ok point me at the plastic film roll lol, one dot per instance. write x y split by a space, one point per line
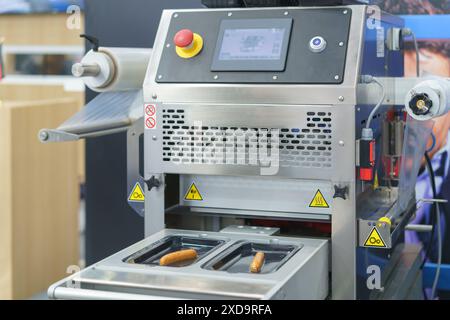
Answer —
113 69
415 140
428 99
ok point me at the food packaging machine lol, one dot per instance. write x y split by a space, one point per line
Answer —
250 120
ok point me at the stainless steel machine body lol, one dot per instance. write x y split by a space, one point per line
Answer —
274 143
302 172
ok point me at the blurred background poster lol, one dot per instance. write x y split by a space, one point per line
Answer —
430 21
36 6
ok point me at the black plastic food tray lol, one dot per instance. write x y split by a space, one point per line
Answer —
237 258
152 254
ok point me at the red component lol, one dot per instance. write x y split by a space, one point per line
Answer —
321 227
366 174
183 38
366 169
390 115
392 167
367 159
372 153
397 168
387 166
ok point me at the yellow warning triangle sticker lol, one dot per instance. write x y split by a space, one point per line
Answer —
193 193
374 239
319 201
136 195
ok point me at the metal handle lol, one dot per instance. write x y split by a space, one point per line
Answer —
419 227
433 200
86 294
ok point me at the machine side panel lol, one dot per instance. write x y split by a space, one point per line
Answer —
381 62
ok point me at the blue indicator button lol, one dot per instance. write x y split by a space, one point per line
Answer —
317 44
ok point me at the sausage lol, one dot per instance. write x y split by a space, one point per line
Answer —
177 256
257 262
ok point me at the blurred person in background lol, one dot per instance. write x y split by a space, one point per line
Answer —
434 57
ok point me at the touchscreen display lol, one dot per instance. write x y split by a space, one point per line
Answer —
252 44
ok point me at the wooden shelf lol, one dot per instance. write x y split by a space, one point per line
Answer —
69 83
40 30
39 198
43 49
39 185
35 88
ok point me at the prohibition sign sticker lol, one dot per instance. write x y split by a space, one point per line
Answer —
150 110
150 113
150 123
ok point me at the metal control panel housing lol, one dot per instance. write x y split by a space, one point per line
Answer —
313 67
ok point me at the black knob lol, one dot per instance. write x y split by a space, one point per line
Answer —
340 192
152 183
420 104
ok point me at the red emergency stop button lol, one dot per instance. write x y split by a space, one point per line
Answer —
187 43
183 38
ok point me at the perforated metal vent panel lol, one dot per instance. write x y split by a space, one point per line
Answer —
191 138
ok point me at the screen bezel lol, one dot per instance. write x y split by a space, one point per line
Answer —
253 65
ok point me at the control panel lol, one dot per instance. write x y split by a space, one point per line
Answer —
298 46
